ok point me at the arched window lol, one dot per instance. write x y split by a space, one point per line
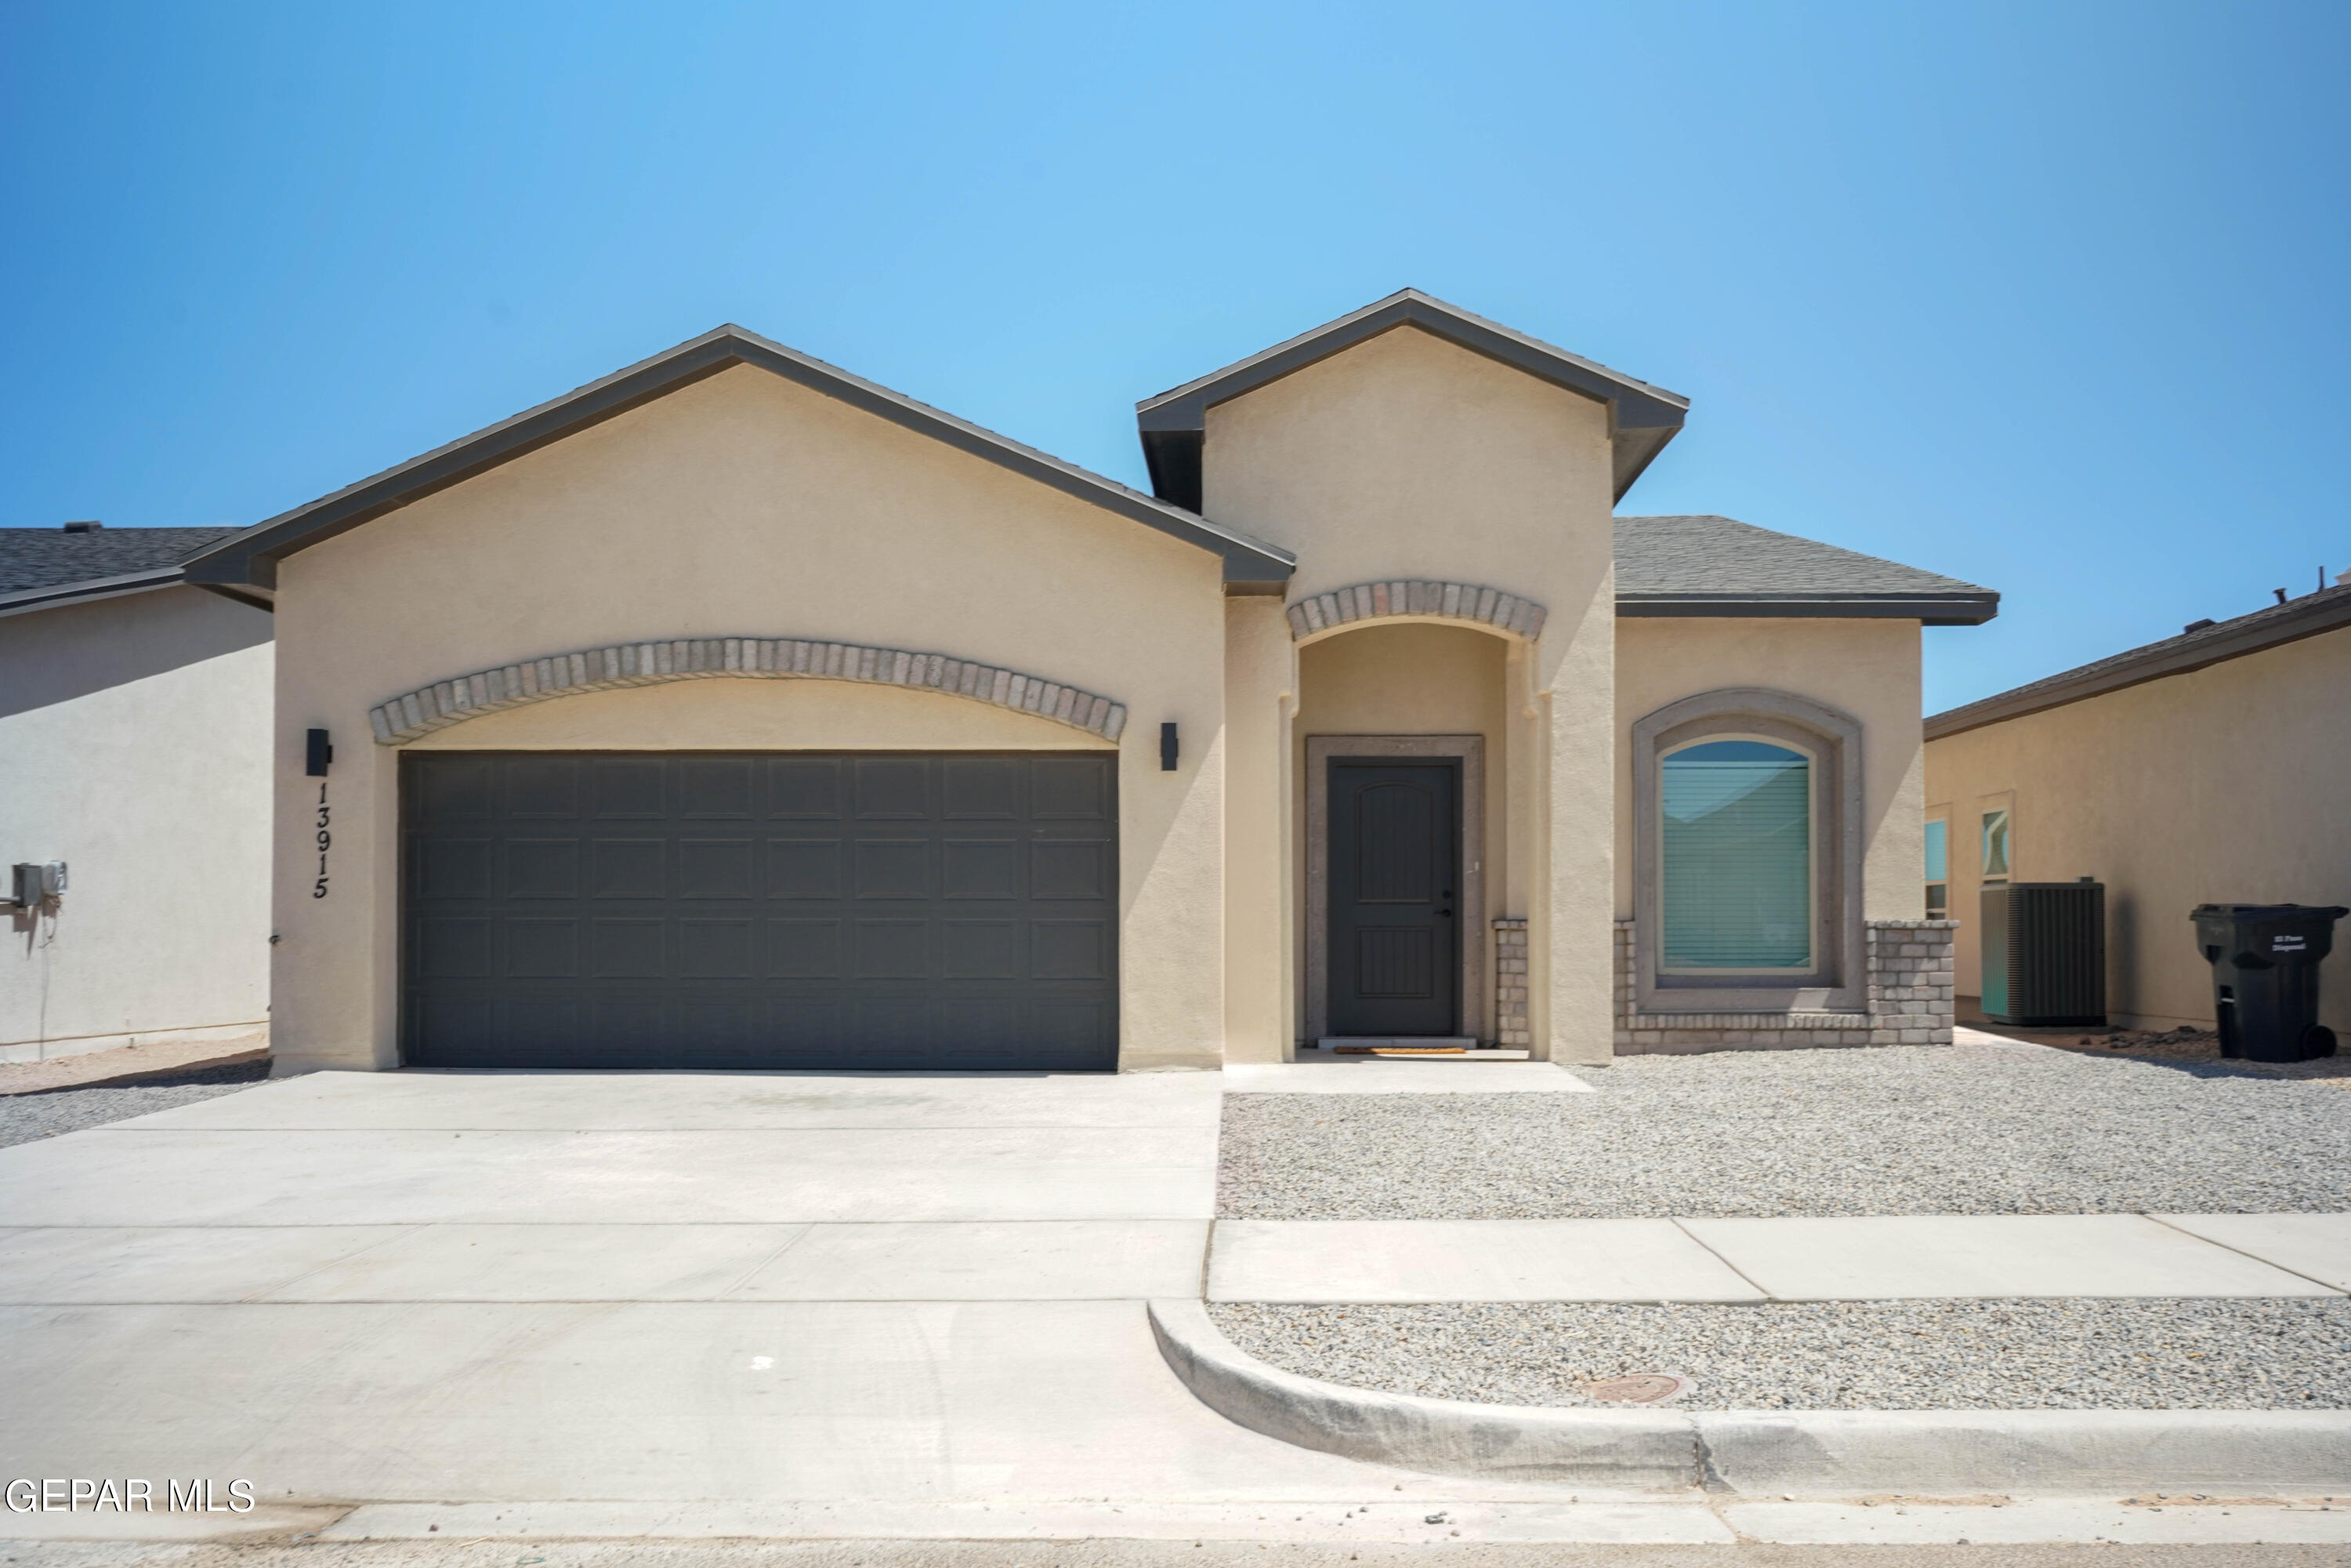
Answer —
1747 844
1735 845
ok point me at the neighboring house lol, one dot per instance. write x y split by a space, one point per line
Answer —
134 747
733 711
2210 768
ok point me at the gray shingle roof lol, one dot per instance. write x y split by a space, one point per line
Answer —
1707 565
2327 609
49 558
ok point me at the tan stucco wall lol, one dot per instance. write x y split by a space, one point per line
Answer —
1409 457
2230 784
747 506
134 744
1406 456
1262 917
1866 669
748 714
1412 679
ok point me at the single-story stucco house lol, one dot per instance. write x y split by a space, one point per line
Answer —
2210 768
735 712
134 752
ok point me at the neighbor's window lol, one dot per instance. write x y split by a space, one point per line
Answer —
1939 870
1736 869
1995 846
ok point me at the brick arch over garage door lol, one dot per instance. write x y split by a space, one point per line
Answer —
412 714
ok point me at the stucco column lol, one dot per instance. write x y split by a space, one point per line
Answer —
1259 662
1513 875
334 962
1572 951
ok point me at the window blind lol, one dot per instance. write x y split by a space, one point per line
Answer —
1737 853
1995 844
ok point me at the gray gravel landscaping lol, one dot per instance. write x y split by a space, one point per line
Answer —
27 1118
1837 1356
1964 1129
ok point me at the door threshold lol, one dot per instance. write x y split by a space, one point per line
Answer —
1437 1048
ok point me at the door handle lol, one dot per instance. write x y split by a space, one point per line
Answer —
1446 913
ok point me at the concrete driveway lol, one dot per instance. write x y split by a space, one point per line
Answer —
511 1310
536 1287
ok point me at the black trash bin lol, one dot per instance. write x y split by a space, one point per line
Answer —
2264 959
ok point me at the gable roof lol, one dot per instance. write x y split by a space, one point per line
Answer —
1174 425
2325 609
1707 565
252 556
43 568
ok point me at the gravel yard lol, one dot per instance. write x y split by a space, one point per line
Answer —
2185 1045
1837 1356
27 1118
1964 1129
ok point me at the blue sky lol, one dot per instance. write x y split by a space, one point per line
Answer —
2051 297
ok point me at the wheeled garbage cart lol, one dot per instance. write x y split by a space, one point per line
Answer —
2264 959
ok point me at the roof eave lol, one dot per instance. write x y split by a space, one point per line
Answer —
2332 614
1630 453
58 594
264 598
1933 609
251 558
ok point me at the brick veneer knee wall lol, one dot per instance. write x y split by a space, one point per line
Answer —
1907 1001
1510 984
1910 981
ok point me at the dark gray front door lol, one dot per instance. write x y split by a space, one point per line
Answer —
941 911
1395 867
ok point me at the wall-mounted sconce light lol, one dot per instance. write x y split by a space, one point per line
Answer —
1167 746
317 754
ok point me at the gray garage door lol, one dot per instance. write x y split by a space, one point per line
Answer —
953 911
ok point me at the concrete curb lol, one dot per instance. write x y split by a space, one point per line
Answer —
1640 1451
1939 1452
2092 1452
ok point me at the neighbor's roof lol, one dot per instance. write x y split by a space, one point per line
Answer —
1706 565
252 556
43 568
2326 610
1641 418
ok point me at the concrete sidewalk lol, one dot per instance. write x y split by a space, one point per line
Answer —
1863 1259
1469 1530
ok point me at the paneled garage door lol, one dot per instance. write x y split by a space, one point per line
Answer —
949 911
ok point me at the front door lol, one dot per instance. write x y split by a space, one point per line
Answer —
1396 923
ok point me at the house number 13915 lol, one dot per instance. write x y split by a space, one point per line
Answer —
319 888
